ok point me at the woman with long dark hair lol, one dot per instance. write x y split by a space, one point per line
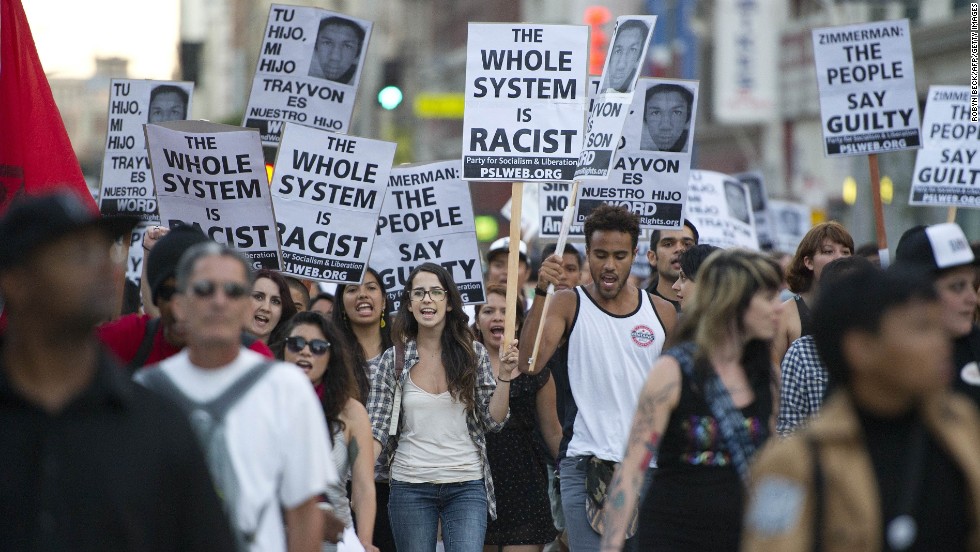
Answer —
360 312
520 470
704 410
271 308
431 403
315 345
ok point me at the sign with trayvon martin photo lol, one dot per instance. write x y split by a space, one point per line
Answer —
609 107
718 206
650 174
866 81
307 71
328 189
212 177
127 186
524 101
947 168
427 216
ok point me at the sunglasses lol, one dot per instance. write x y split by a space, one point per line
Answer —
207 288
318 347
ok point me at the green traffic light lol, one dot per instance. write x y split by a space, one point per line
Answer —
390 97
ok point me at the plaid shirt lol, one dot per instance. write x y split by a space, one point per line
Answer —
381 402
804 384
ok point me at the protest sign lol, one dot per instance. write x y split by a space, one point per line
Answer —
791 223
212 177
718 205
427 216
307 71
609 110
947 168
866 81
758 199
651 171
127 188
327 190
553 198
746 60
525 101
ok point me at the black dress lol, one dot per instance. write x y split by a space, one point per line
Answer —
520 471
695 499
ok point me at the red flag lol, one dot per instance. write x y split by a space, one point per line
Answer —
35 153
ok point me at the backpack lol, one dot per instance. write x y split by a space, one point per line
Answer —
208 419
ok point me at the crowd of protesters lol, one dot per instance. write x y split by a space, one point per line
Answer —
244 410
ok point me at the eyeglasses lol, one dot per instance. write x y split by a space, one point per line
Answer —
318 347
436 294
207 288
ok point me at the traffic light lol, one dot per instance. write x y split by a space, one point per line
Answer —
390 96
595 17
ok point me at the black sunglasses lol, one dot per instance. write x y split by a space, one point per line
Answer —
207 288
318 347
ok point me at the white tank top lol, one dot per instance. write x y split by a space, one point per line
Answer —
609 357
434 445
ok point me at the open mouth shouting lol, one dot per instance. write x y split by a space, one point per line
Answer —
497 332
427 313
608 281
306 365
364 308
260 322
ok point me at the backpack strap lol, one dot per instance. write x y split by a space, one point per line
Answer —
156 380
139 359
220 406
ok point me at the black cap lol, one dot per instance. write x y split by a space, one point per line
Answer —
161 263
934 248
34 221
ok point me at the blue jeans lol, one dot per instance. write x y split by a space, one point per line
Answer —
581 536
416 508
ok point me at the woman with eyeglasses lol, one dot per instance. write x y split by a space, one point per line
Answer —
315 345
431 404
271 307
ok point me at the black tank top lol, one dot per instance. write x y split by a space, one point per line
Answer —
804 311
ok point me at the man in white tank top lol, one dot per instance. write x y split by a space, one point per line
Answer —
614 331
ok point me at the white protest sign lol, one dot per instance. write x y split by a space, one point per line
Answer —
553 197
307 72
327 190
947 168
866 80
651 172
608 110
746 60
791 221
134 266
759 200
213 177
127 188
428 217
525 101
718 205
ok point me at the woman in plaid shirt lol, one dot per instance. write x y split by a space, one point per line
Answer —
431 402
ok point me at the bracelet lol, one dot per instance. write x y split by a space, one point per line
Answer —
503 380
538 292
